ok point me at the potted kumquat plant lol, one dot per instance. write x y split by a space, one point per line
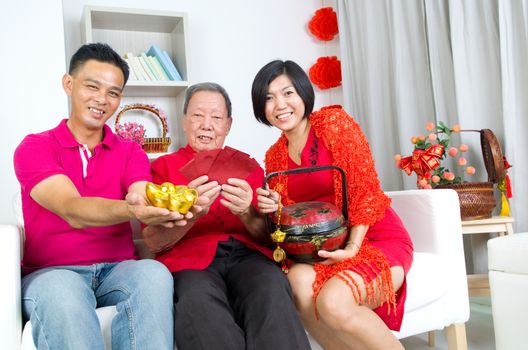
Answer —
477 199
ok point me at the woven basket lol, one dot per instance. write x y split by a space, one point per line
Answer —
150 144
477 199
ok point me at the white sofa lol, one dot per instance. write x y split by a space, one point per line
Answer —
508 277
437 285
437 292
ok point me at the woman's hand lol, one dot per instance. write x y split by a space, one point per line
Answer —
268 200
349 251
352 247
335 256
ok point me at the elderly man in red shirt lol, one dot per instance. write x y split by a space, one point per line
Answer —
229 294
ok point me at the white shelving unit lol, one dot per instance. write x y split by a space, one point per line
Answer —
135 30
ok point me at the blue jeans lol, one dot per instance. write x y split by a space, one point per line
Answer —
60 301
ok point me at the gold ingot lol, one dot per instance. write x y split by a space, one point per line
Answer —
278 236
174 198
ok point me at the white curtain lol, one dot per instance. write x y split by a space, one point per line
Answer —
407 62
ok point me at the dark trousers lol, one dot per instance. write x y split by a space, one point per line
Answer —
241 301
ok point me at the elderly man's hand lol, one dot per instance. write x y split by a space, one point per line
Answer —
237 196
207 193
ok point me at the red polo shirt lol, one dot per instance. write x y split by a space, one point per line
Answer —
114 165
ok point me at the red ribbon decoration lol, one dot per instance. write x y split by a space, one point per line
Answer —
507 165
422 161
509 192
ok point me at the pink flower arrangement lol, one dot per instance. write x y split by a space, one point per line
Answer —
131 131
429 151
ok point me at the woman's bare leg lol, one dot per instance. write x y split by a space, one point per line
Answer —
301 278
343 323
356 325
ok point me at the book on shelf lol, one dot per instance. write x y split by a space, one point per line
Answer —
140 68
158 68
165 62
146 68
172 67
136 66
150 64
132 74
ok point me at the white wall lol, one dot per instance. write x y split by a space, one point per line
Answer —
230 41
32 63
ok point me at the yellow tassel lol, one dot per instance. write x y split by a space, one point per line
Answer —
505 207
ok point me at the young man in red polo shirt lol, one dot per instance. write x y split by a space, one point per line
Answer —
79 251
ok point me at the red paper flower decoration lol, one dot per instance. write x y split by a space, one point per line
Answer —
326 72
323 24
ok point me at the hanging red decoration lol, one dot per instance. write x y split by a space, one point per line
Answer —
326 72
323 24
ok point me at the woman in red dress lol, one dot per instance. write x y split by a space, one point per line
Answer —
358 291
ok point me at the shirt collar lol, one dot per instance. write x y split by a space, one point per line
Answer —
109 139
189 149
66 139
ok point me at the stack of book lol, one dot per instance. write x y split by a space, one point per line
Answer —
155 64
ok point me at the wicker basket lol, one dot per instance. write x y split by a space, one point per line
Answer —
150 144
477 199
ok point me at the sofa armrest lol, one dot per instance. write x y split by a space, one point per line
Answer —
10 301
432 218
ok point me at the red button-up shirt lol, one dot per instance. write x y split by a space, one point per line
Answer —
197 248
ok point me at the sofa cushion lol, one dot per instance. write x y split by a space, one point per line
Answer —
105 315
426 281
509 253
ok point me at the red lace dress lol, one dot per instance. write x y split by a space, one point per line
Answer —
386 243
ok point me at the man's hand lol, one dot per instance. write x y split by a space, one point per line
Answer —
237 196
162 237
207 193
151 215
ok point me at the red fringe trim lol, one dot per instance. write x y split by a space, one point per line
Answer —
372 266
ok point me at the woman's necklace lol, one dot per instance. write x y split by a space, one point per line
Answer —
295 152
297 147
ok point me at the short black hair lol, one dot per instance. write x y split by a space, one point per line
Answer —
267 74
207 86
100 52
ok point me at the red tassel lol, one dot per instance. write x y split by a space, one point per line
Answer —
374 269
508 186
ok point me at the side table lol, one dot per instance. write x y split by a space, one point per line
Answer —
478 284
